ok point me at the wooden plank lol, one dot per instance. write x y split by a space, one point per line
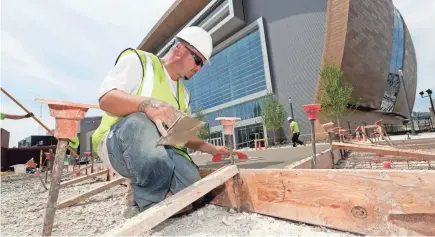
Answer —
371 202
75 171
81 197
420 155
170 206
82 178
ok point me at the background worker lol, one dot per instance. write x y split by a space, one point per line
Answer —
74 143
140 95
15 117
294 131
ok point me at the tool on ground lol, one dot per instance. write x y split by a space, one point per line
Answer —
38 174
181 131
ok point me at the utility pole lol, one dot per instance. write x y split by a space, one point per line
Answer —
407 102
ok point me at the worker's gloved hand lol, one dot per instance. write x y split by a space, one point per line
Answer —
29 115
161 113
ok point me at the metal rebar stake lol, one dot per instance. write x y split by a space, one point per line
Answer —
230 145
311 110
313 144
228 125
331 150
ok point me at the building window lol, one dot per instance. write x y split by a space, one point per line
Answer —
396 63
236 71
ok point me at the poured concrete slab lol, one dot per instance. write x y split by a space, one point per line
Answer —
266 158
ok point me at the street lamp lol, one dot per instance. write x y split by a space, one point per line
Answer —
429 92
291 106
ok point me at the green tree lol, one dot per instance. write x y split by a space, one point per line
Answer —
203 132
336 96
273 114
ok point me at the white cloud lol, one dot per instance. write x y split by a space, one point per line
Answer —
420 20
19 63
63 49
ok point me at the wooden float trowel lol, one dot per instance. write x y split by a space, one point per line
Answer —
181 131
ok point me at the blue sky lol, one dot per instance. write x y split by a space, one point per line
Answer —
63 49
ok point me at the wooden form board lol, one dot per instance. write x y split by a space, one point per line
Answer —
412 155
82 178
81 197
373 202
170 206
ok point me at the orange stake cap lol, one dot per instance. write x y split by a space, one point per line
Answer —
228 124
67 115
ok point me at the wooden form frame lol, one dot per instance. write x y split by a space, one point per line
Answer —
374 202
83 178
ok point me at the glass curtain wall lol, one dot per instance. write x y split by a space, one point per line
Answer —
235 72
396 63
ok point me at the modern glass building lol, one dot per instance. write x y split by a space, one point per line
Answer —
280 47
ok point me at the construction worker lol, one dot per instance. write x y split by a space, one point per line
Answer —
15 117
142 95
294 131
74 144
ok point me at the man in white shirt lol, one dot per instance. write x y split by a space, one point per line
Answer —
142 95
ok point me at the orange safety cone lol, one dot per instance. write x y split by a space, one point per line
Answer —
259 146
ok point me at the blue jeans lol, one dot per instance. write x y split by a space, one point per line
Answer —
154 170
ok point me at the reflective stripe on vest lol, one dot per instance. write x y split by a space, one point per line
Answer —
160 91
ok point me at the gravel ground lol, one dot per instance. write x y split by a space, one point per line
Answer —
218 221
23 202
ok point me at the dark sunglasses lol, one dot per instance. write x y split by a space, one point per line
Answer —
196 57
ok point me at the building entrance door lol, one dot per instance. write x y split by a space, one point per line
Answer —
246 135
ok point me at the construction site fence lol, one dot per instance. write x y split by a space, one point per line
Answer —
13 156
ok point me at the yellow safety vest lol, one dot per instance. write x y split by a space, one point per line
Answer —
161 91
76 142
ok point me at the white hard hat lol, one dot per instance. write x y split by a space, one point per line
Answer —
289 118
198 38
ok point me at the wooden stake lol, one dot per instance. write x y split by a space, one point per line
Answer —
421 155
170 206
82 178
53 195
79 198
371 202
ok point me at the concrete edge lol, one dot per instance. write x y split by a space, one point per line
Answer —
323 161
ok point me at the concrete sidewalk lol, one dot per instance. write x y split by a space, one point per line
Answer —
268 158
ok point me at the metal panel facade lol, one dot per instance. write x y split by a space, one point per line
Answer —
295 34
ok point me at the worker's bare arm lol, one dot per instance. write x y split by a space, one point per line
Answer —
119 103
200 145
17 117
